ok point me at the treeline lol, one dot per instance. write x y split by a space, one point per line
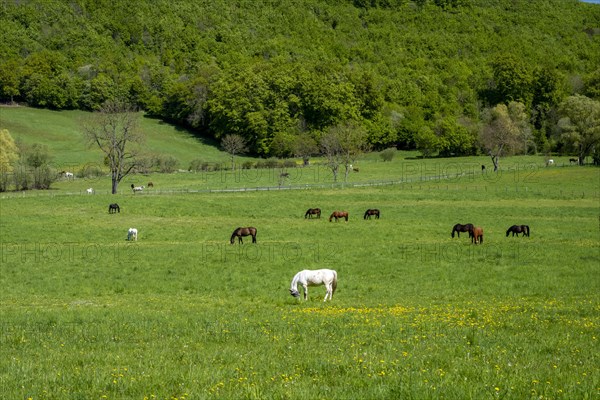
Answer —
410 73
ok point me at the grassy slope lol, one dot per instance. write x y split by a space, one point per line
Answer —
60 131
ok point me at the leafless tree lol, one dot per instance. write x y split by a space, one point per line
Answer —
342 146
234 144
114 129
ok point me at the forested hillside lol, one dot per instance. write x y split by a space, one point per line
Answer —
410 73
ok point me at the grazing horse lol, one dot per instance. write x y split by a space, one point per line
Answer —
150 185
239 232
307 277
137 188
516 229
370 212
458 228
477 235
339 214
549 162
313 211
114 208
90 190
132 234
573 161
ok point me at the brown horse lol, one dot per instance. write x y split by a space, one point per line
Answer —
477 235
313 211
458 228
339 214
516 229
239 232
370 212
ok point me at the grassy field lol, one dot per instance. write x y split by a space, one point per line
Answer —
182 314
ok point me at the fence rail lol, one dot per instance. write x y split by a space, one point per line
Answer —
445 182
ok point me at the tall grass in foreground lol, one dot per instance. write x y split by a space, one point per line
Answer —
182 314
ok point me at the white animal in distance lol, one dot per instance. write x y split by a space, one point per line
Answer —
132 234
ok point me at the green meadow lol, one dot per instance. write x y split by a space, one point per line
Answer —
182 314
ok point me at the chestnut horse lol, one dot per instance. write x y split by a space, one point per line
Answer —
239 232
370 212
313 211
458 228
339 214
477 237
516 229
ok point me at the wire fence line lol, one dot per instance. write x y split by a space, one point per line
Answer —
446 182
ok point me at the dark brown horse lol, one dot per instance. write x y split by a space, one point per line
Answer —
370 212
477 235
339 214
313 211
516 229
114 208
458 228
239 232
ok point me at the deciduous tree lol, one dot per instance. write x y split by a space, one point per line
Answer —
233 144
114 129
580 125
342 145
506 131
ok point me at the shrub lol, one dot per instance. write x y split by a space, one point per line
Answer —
195 165
271 163
247 165
289 164
165 164
388 154
90 171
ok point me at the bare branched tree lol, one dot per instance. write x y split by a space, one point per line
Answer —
114 129
234 144
332 150
342 146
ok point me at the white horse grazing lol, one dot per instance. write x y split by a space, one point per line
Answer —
132 234
90 191
69 175
307 277
549 162
137 188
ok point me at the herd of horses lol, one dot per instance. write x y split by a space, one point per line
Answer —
328 277
337 215
241 232
476 232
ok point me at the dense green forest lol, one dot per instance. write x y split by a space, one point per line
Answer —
412 74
